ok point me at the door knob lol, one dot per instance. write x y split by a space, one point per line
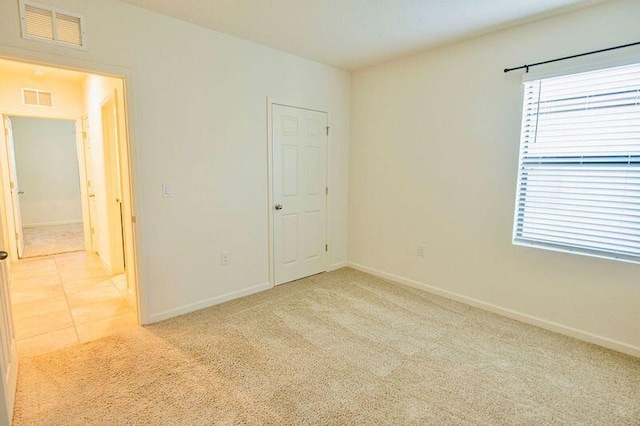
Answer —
20 192
278 206
92 195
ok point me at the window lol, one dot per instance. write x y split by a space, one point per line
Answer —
52 25
579 170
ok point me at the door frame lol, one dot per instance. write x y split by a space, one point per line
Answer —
7 207
135 198
9 355
270 199
11 209
84 184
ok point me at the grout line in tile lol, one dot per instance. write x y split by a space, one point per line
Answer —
42 334
68 305
66 298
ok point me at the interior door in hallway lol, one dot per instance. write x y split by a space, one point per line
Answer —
15 191
90 183
299 160
114 186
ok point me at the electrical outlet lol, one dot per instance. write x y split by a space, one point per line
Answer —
225 258
421 249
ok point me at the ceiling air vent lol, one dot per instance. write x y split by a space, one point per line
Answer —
35 97
45 23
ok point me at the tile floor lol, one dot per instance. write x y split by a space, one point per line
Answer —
64 300
45 240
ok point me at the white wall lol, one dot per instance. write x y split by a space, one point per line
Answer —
199 108
67 95
47 165
434 155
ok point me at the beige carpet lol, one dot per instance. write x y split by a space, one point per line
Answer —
55 239
337 348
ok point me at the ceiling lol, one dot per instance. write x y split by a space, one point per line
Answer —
352 34
39 72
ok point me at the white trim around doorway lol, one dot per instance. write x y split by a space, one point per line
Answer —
127 75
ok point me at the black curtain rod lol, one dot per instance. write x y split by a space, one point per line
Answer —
526 67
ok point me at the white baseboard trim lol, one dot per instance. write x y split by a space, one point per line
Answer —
337 266
44 224
519 316
160 316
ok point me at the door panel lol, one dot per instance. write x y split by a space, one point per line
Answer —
9 353
15 191
313 162
114 195
290 238
90 184
299 182
290 170
314 241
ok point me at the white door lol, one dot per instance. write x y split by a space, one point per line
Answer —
90 183
114 193
299 192
13 183
9 351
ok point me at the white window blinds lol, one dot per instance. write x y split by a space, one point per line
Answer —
579 170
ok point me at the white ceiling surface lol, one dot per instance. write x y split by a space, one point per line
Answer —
352 34
43 72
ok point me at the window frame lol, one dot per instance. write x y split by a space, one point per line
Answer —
517 238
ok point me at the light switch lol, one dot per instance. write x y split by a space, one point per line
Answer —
167 190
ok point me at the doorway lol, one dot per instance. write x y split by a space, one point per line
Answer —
298 191
83 286
45 182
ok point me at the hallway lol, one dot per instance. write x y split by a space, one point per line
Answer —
66 299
